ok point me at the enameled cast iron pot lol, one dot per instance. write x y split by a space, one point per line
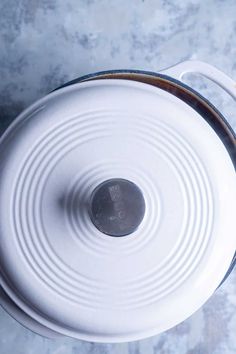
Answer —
117 205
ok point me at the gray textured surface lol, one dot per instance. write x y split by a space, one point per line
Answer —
45 43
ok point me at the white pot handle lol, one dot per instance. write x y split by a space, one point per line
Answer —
193 66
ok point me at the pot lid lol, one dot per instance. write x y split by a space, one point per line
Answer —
117 203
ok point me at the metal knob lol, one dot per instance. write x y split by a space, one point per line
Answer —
117 207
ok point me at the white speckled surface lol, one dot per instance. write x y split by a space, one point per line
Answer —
48 42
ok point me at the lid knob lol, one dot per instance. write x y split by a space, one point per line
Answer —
117 207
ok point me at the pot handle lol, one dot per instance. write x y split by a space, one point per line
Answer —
210 72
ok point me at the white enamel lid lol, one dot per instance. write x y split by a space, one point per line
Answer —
65 273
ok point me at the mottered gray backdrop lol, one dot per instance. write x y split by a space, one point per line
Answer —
45 43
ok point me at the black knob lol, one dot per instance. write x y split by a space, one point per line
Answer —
117 207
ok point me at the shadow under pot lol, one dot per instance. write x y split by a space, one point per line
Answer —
117 203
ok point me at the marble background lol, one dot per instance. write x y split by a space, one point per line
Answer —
45 43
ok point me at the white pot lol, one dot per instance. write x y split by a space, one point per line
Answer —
117 205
